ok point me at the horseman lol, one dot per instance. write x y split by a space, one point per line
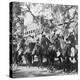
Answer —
20 50
37 43
57 42
45 42
70 52
71 42
45 45
22 45
71 38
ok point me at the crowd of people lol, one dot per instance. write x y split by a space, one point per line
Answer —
63 49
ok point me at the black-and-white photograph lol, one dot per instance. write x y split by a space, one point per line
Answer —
43 39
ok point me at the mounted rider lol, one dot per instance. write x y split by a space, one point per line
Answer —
22 45
71 38
57 42
44 43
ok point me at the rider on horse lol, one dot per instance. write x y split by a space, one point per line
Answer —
45 45
71 38
45 42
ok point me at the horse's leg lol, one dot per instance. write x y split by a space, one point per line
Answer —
16 59
29 62
26 60
40 58
60 59
20 59
32 59
64 61
47 57
14 66
39 61
49 62
64 65
67 62
76 62
64 51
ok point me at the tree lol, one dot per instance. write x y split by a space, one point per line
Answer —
48 16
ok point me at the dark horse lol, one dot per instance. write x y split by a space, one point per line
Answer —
51 57
48 53
41 53
38 52
28 53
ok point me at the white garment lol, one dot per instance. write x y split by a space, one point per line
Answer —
72 52
58 53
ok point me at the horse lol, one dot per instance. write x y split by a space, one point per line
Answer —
38 52
51 57
28 57
59 48
73 59
28 53
41 53
68 53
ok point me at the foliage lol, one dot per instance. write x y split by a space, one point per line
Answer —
48 16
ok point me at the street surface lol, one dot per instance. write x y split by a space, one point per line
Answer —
23 71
